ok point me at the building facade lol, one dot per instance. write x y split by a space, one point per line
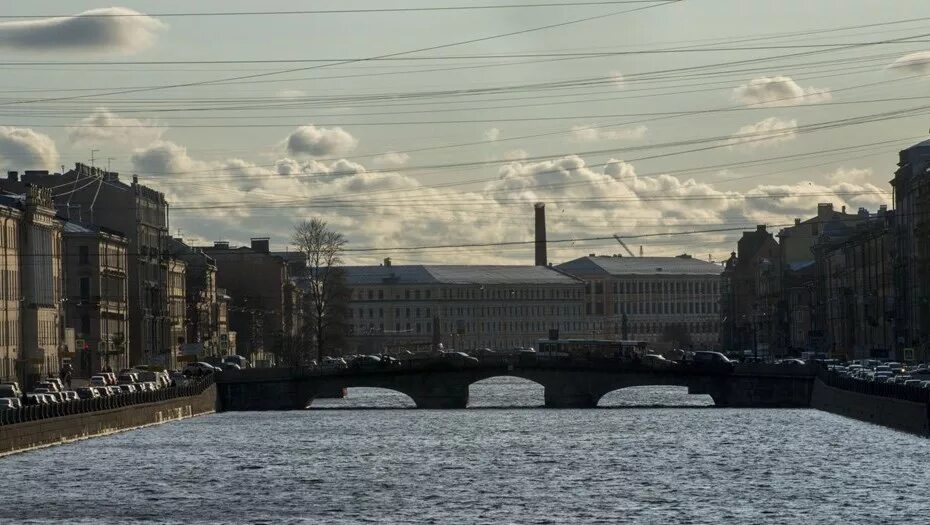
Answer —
205 330
100 197
911 185
855 265
670 300
419 307
95 265
12 366
748 305
260 287
177 307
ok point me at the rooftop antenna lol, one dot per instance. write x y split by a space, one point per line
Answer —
640 250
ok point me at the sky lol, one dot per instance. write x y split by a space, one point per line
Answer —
674 125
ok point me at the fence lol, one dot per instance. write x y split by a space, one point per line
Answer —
862 386
84 406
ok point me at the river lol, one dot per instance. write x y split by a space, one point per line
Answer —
651 455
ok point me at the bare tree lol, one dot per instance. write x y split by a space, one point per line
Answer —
325 285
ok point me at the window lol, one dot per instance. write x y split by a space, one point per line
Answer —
85 289
85 325
83 255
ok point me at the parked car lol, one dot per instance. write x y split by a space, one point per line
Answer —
114 390
367 362
657 361
99 381
236 360
102 391
711 360
230 366
128 388
10 390
33 399
460 359
333 363
198 369
792 362
51 387
10 403
87 392
57 382
69 395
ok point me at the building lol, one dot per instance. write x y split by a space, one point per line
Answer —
95 265
177 307
100 197
226 343
672 300
748 301
39 333
855 266
911 186
261 289
11 362
205 329
461 307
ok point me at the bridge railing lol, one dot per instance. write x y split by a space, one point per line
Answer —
863 386
84 406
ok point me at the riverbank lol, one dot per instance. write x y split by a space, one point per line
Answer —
900 414
45 432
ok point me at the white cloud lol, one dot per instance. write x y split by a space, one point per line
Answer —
616 79
915 63
27 149
94 30
592 134
779 91
320 142
235 199
391 159
768 132
103 126
291 93
850 175
492 134
516 154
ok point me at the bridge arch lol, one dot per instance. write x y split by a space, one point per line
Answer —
366 397
506 390
652 395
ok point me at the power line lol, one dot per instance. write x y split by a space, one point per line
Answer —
335 11
378 57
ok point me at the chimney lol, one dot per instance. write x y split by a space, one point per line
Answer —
387 262
223 245
135 179
844 209
824 209
261 244
797 222
541 259
760 228
12 176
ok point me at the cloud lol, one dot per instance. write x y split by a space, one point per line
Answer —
291 93
915 63
850 175
492 134
617 80
89 31
235 199
768 132
103 126
320 142
27 149
516 154
779 91
592 134
391 159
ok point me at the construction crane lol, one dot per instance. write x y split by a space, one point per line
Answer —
625 247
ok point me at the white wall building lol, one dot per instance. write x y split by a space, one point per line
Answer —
658 296
462 307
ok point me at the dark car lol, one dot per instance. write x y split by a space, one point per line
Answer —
711 361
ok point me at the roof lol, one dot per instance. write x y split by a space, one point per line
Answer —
455 274
73 227
640 266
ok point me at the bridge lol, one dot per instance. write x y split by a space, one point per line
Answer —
568 384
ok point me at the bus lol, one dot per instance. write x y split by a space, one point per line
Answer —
592 348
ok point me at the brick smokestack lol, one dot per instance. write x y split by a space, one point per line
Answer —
541 234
